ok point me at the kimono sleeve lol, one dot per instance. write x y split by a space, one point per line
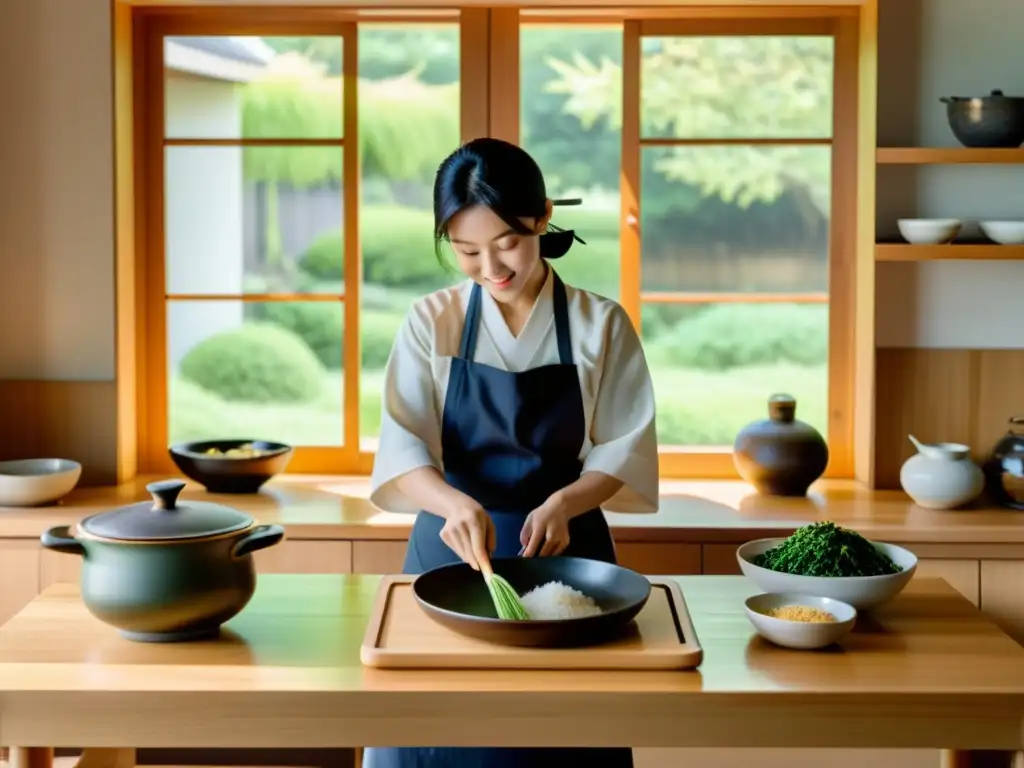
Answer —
410 429
623 429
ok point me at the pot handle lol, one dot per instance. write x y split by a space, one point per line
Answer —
260 537
59 539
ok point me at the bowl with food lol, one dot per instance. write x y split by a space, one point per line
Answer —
570 601
803 622
231 466
827 560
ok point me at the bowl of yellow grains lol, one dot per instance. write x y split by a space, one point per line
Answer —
803 622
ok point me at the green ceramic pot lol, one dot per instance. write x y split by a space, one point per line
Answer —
165 570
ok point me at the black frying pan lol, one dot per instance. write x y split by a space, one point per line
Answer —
456 597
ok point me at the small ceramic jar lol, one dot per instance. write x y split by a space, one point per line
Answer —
941 476
780 455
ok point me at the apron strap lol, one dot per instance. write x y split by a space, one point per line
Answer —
562 321
467 344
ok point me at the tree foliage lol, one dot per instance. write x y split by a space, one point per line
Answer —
571 103
720 88
406 126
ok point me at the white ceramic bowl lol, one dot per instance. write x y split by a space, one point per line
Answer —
802 635
1003 232
929 231
36 482
862 592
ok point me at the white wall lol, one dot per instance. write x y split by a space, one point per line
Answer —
57 196
930 49
204 210
56 190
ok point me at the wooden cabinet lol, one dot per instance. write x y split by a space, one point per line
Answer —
654 558
659 559
19 575
1002 595
306 556
720 560
58 568
961 575
378 556
290 556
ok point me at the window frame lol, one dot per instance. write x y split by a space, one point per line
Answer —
489 68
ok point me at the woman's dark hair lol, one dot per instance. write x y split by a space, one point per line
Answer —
504 178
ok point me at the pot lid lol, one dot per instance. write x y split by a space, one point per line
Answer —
995 95
165 518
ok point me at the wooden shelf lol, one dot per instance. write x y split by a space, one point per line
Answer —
946 155
949 252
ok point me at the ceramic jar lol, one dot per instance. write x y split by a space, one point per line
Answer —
780 455
941 476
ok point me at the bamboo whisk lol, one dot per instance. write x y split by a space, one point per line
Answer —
506 600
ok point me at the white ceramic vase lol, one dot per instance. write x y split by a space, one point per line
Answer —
941 476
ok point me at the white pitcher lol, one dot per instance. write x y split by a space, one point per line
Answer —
941 475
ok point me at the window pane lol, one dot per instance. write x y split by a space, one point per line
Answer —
266 371
253 220
715 366
735 218
570 81
252 87
736 87
409 121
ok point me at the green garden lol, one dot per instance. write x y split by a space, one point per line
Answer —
731 218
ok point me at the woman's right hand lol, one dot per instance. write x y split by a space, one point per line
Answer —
469 531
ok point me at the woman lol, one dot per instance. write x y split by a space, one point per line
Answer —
514 407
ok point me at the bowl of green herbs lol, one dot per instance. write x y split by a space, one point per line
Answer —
827 560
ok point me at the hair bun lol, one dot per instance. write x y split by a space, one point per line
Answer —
554 245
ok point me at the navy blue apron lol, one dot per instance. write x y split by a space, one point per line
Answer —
509 441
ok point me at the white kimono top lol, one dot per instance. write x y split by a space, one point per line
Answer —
618 395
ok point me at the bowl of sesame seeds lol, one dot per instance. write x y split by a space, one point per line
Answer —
802 622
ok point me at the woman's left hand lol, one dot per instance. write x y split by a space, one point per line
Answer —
546 529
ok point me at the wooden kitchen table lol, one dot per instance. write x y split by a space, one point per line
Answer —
927 671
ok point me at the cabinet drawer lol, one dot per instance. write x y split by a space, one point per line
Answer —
656 559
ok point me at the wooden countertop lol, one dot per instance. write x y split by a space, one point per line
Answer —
337 508
927 671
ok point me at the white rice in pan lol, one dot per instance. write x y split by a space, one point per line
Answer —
556 600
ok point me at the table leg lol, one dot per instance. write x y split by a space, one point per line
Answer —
955 758
30 757
102 757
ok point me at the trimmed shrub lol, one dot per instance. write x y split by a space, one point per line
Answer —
257 363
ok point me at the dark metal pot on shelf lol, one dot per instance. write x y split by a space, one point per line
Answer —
166 570
990 121
1004 468
780 456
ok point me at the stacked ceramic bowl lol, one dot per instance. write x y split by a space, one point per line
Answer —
812 611
942 231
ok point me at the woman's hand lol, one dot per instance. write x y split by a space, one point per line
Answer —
469 531
548 523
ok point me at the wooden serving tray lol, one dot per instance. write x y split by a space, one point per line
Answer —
401 635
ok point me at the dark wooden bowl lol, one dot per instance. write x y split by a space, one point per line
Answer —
456 597
221 474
